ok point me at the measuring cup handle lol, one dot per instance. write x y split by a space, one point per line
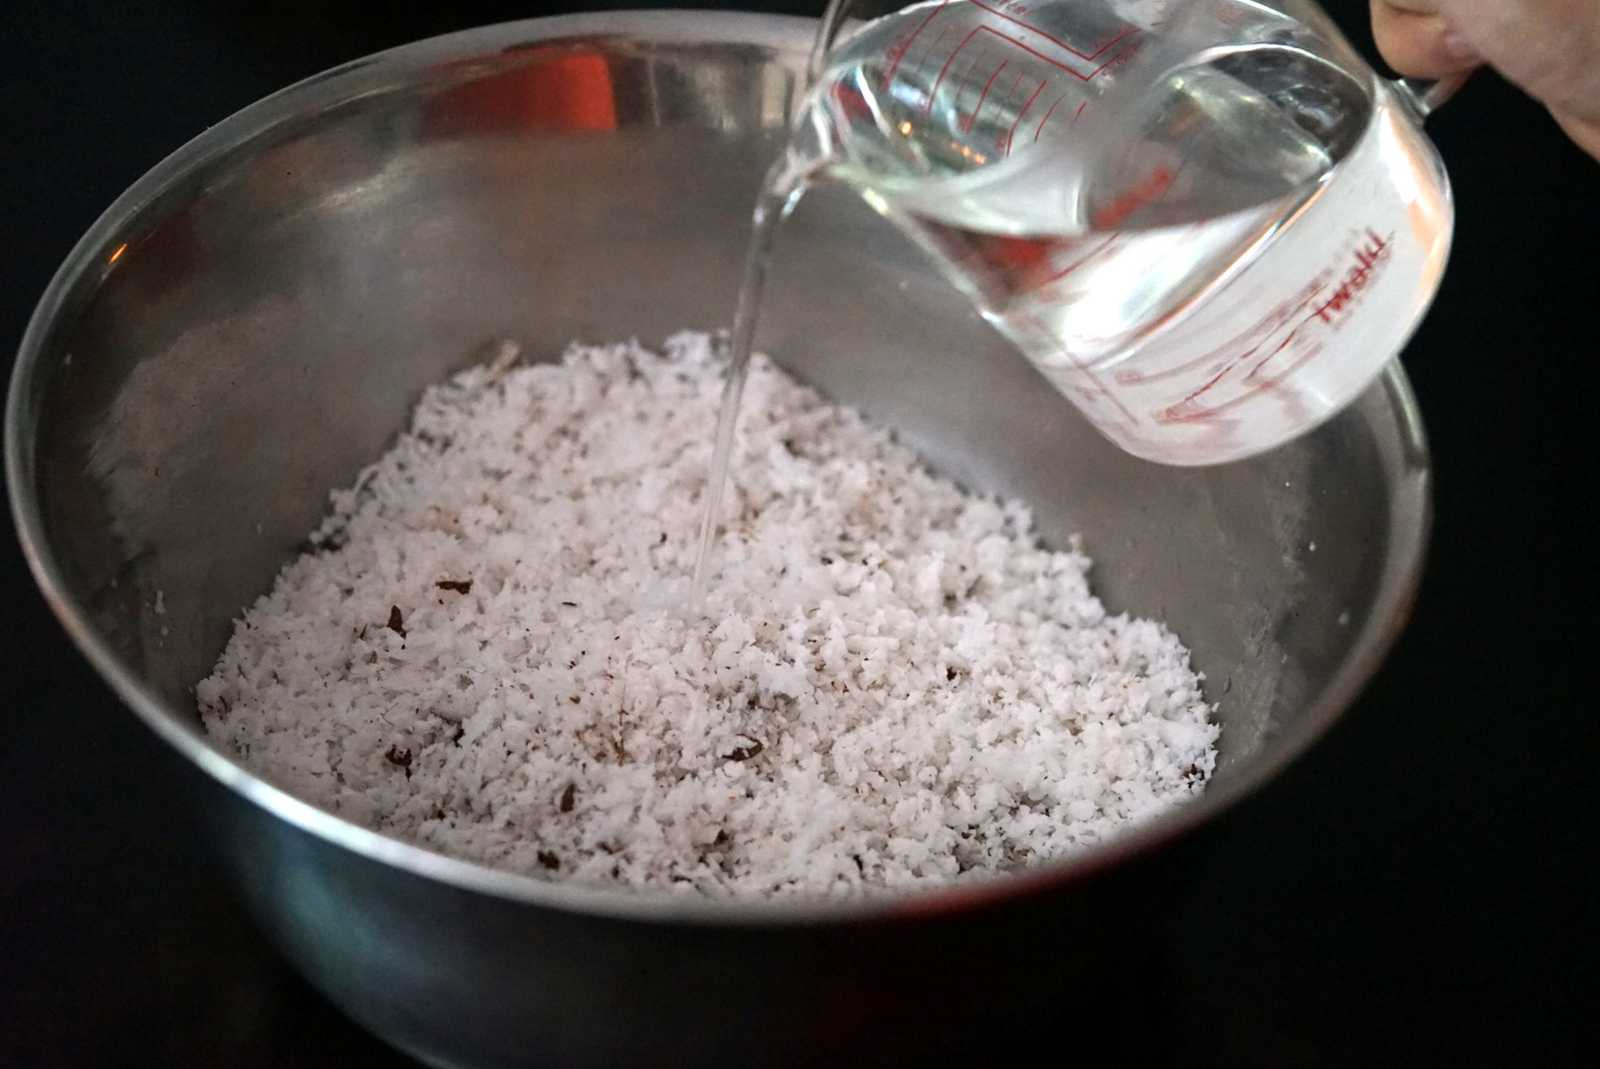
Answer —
1427 97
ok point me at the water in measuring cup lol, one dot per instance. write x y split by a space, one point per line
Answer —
1113 196
931 139
1094 201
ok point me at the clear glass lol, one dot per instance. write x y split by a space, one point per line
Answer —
1207 222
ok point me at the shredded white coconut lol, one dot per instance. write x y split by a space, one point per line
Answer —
486 652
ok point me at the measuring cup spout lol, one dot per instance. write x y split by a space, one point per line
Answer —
833 20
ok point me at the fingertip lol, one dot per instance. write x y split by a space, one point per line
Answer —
1457 49
1420 46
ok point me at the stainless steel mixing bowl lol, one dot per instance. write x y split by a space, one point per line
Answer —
248 325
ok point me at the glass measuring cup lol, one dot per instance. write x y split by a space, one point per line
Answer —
1208 222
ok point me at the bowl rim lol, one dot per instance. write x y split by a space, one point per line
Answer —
789 38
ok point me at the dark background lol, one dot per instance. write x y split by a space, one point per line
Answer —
1413 891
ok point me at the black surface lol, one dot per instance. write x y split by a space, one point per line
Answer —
1414 891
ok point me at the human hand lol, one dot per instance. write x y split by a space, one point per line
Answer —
1550 48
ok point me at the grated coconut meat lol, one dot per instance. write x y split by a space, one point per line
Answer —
486 651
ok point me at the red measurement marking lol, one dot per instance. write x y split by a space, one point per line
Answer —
1368 257
1085 370
931 52
984 95
1014 42
1188 402
1287 341
1263 329
1185 411
1146 192
1040 128
1104 247
1056 40
1079 113
900 53
979 56
1012 133
944 70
